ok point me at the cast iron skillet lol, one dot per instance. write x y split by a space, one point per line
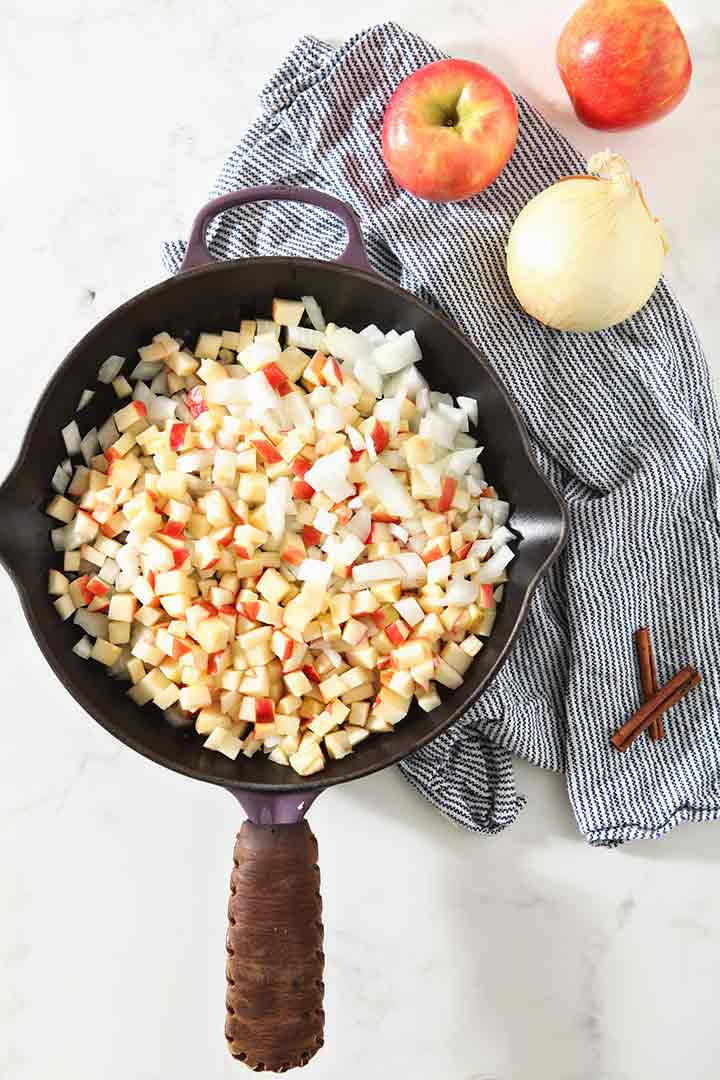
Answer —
275 959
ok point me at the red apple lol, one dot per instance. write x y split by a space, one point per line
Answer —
624 62
448 131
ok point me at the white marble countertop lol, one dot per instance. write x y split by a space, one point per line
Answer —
529 955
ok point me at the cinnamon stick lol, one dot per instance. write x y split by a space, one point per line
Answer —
667 696
648 677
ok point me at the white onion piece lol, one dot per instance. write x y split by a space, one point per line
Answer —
437 396
162 408
422 400
109 571
128 560
264 350
378 570
227 392
496 508
89 445
143 393
397 354
399 533
182 412
501 536
277 505
393 459
370 447
146 369
439 429
373 334
119 668
258 392
329 418
406 383
369 377
83 648
460 461
348 550
295 412
177 718
388 411
439 570
480 549
110 369
493 570
318 571
456 416
194 461
125 581
432 476
414 570
265 328
329 475
470 407
92 622
108 433
355 438
347 345
85 399
347 395
59 538
477 472
159 385
303 338
60 481
71 438
390 491
359 524
460 592
314 312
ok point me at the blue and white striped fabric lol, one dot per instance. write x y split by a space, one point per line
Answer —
623 422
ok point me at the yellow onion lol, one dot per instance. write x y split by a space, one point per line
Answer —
586 253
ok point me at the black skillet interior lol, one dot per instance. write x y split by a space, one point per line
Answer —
215 297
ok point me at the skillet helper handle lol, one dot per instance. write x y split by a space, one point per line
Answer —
275 1017
197 254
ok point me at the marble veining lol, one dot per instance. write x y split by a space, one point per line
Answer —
450 957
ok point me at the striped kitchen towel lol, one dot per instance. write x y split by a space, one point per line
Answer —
623 423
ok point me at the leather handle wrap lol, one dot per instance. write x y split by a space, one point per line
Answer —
275 961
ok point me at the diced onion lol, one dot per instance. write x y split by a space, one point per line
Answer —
317 571
470 407
492 571
460 592
392 494
85 399
60 480
146 369
71 438
378 570
303 338
110 369
397 354
314 312
90 446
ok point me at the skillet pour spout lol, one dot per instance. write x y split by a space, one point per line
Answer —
275 950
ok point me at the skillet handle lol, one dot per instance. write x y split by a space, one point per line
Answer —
197 253
275 961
